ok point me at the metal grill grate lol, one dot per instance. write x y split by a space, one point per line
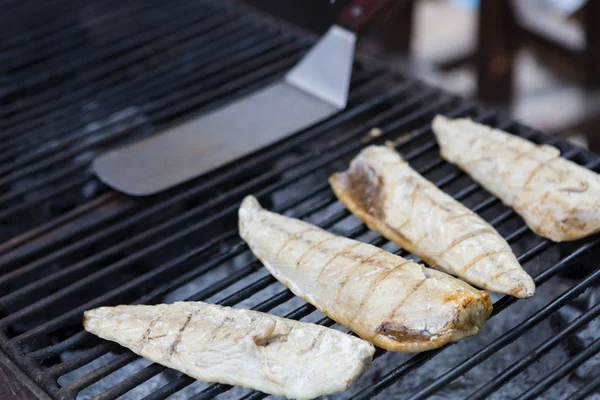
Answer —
74 87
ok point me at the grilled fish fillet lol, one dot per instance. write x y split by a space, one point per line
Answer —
396 304
390 197
557 198
237 347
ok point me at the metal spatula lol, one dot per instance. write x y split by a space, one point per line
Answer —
314 89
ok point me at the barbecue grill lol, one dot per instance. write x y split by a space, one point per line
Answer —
98 75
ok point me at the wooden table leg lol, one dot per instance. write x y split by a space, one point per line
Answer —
496 51
591 63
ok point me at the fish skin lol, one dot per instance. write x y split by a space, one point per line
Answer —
237 347
395 303
557 198
390 197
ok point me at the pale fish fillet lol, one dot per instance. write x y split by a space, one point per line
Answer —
390 197
395 303
557 198
237 347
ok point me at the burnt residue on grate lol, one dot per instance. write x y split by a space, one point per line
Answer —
94 75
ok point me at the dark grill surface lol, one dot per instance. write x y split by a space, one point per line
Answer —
78 77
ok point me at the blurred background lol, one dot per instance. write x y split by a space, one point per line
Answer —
538 60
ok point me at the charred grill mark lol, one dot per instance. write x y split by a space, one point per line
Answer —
498 275
311 248
504 177
535 171
459 216
414 196
173 347
385 326
349 274
340 254
291 238
272 339
216 328
584 187
548 215
481 257
401 333
466 237
316 342
371 290
146 335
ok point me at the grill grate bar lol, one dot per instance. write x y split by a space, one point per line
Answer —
585 392
172 222
560 372
51 162
535 354
159 38
13 245
202 52
264 157
34 34
280 64
35 185
197 190
207 64
78 181
58 42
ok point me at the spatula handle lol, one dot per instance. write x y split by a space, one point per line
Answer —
360 13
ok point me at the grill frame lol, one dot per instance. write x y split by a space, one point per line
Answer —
417 104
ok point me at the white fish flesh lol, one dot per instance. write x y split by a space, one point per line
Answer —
394 303
390 197
237 347
557 198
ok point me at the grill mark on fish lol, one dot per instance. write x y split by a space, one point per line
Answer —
495 277
371 290
341 253
311 248
173 347
479 258
404 300
458 216
467 236
535 171
388 321
513 160
576 190
292 237
316 341
215 331
361 263
150 327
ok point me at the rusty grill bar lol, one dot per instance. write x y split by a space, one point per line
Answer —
75 87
